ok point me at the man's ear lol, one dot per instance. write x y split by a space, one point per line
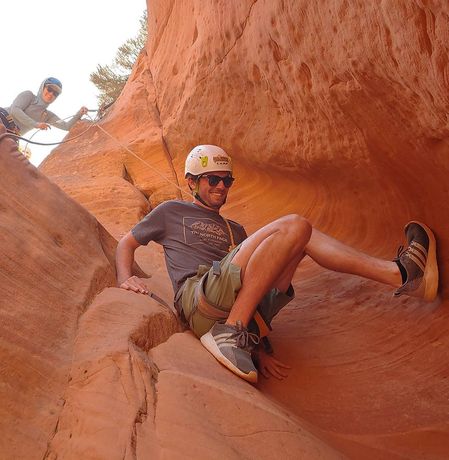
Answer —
191 182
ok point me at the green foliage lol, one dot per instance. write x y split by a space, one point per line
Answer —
110 79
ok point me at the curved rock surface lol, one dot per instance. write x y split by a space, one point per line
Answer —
55 259
334 110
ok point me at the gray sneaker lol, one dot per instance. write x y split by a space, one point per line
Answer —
418 263
230 346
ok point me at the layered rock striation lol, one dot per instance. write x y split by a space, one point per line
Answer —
333 110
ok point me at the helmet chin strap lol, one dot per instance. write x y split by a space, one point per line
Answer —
196 195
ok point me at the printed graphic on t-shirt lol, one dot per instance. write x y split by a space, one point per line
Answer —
198 231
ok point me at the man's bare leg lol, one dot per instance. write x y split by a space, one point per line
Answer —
269 258
334 255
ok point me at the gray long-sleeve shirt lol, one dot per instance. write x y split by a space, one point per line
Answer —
28 110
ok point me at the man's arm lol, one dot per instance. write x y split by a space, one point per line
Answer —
124 259
54 120
17 110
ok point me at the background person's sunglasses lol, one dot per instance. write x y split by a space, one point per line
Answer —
215 180
52 91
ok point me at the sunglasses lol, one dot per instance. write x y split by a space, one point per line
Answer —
215 180
52 91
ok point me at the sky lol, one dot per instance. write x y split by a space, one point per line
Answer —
65 39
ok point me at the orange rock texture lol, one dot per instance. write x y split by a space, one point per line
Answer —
335 110
55 259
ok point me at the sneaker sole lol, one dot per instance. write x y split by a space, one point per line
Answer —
211 346
430 277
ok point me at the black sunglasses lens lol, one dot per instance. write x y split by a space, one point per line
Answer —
213 180
227 181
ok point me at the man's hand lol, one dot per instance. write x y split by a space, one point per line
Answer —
269 365
135 284
83 110
42 126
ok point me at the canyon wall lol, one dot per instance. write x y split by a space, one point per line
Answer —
335 110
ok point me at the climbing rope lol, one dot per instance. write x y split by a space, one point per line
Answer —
62 142
95 123
30 141
141 159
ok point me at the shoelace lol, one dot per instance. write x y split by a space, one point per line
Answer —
242 337
401 251
409 249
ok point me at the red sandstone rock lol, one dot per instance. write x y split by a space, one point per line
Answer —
55 259
121 402
330 109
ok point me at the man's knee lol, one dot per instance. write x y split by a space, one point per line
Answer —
297 226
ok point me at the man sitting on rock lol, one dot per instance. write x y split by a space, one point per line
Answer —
227 285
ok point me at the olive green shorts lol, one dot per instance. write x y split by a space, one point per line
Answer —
221 291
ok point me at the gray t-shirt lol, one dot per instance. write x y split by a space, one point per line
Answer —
190 234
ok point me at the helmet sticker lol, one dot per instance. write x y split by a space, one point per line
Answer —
221 160
207 158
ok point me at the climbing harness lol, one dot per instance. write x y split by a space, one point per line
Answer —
215 313
8 122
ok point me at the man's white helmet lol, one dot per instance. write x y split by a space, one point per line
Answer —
207 158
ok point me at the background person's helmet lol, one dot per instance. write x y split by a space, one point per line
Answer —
54 84
207 158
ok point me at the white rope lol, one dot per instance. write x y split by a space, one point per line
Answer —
141 159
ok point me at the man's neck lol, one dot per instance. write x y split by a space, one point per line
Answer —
198 203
